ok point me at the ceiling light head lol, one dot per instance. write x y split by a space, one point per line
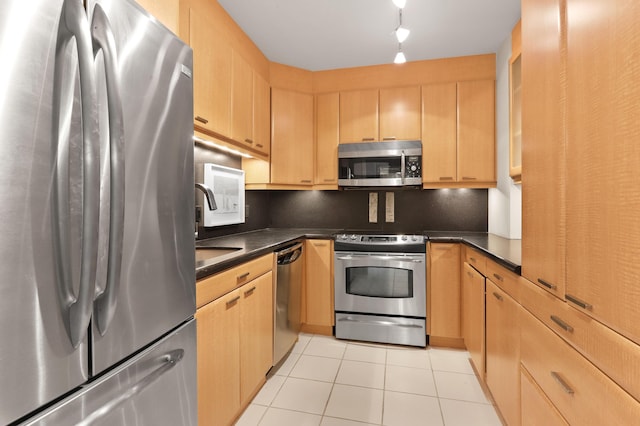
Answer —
400 3
402 34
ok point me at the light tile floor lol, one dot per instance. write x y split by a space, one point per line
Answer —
331 382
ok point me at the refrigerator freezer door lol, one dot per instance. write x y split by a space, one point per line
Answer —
155 388
39 362
156 288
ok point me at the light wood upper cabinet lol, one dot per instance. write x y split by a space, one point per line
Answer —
476 132
166 11
543 146
439 133
400 113
603 158
319 283
503 351
256 335
261 114
211 75
515 104
327 138
241 100
443 295
359 116
292 137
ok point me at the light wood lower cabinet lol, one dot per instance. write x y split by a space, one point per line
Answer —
443 293
536 408
235 343
319 305
503 351
473 316
581 392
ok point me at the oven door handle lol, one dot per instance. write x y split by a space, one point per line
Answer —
394 258
379 322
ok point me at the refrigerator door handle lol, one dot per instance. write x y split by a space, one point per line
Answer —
76 309
167 361
104 40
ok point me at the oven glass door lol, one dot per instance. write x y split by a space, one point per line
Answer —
379 283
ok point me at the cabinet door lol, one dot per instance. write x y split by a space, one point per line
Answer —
400 113
476 132
543 146
439 133
256 334
241 101
327 138
211 74
473 315
359 116
443 313
219 360
292 137
503 352
603 155
261 114
319 283
167 11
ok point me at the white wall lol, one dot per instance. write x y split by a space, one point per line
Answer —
505 201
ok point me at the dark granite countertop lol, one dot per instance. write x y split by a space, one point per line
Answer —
504 251
257 243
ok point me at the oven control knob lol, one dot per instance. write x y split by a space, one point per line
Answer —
414 168
354 237
404 238
342 237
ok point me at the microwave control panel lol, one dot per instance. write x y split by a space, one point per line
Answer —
413 166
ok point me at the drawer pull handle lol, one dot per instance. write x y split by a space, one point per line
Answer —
497 296
498 277
259 145
546 284
368 139
251 290
249 141
389 138
562 383
575 300
232 301
446 178
243 276
468 178
202 119
563 325
328 180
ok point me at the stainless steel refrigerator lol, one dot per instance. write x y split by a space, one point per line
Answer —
97 276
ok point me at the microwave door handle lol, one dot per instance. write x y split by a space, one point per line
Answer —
103 39
403 168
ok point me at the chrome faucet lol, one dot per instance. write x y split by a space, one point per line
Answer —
211 201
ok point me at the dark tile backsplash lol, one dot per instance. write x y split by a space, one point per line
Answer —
415 210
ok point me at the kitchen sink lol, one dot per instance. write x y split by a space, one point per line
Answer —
205 253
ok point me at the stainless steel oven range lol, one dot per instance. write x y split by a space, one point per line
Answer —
380 288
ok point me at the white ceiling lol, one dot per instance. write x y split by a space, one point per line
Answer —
328 34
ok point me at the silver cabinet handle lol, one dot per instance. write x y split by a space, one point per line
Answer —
468 178
497 296
249 141
446 178
251 290
76 309
232 301
563 325
562 383
103 39
201 119
498 277
389 138
576 301
368 139
243 276
547 284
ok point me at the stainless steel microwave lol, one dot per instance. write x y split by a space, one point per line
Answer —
374 164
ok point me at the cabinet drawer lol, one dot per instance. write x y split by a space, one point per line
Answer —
503 278
212 287
536 407
476 259
614 354
582 393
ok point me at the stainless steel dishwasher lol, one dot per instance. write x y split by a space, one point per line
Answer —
288 294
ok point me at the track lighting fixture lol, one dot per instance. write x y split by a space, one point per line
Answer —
400 32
